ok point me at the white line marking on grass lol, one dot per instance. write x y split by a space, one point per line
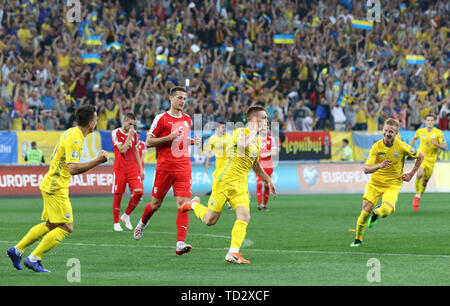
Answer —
138 245
246 242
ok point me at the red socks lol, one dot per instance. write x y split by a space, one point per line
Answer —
116 206
266 194
148 213
134 201
182 225
259 195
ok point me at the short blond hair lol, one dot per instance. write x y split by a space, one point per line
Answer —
392 122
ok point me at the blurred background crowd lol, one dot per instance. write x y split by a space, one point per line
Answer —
124 56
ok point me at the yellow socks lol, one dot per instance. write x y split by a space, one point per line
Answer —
384 210
237 235
35 233
420 189
199 210
361 224
52 239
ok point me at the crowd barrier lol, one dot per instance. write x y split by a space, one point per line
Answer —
289 178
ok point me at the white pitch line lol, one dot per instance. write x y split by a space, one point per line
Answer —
137 245
247 242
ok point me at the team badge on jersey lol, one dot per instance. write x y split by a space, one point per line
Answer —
396 154
75 154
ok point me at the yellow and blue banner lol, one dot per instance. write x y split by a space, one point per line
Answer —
161 59
91 58
114 45
283 38
362 24
415 59
93 40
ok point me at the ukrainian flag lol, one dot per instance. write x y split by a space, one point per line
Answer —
361 24
161 59
93 40
114 45
229 86
196 68
415 59
91 58
248 43
283 38
157 77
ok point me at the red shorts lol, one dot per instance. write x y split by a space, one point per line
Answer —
181 182
269 172
120 181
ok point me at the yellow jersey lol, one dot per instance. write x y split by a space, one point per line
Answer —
426 146
220 146
397 153
68 150
240 161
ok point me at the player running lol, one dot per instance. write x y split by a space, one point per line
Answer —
128 169
219 144
269 149
431 140
231 183
386 161
169 133
57 214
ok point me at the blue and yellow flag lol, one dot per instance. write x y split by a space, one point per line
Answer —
156 78
91 58
93 40
283 38
114 45
415 59
161 59
197 68
362 24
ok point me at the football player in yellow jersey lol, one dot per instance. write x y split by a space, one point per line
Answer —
431 140
231 183
218 144
385 163
57 213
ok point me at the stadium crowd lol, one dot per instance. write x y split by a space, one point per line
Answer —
125 55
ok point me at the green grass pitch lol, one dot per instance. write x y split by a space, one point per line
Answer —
301 240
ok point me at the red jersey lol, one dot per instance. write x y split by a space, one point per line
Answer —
124 161
267 144
141 149
172 155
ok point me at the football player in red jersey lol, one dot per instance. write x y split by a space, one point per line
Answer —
169 133
128 169
269 148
